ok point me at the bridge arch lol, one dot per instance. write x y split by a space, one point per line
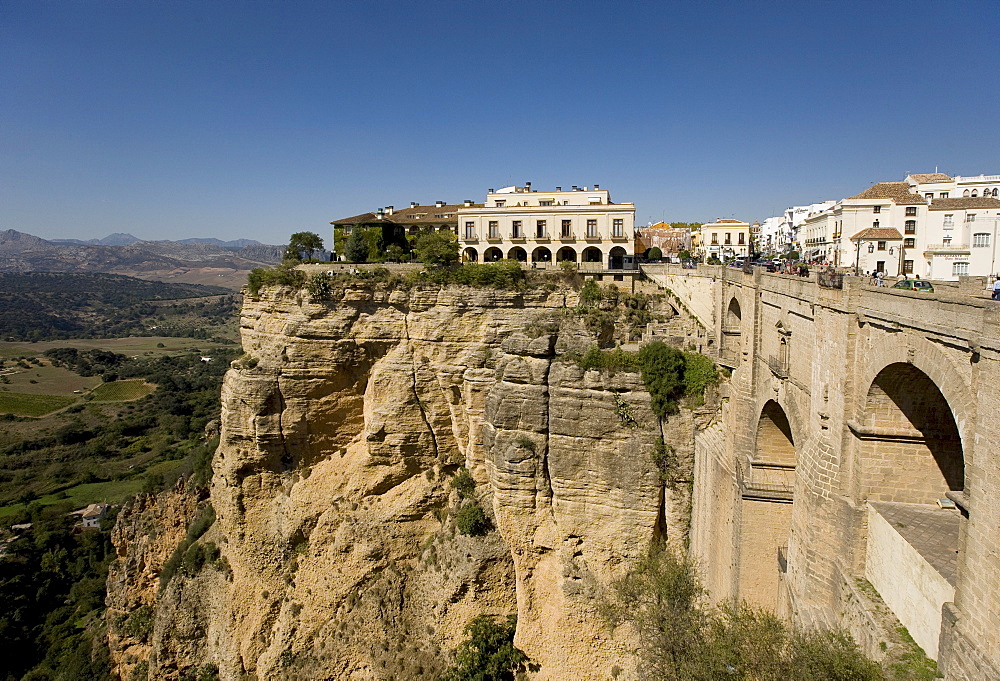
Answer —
767 487
734 314
911 448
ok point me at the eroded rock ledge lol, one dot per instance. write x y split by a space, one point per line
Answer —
341 429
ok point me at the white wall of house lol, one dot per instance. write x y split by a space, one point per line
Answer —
578 224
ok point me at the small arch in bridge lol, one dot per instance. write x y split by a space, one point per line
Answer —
734 315
774 436
912 449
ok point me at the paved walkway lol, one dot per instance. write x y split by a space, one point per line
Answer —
932 531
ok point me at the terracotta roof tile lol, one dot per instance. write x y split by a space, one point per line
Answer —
894 191
930 177
964 202
880 233
415 215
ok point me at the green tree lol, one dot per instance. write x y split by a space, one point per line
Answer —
654 253
488 654
303 242
683 638
663 369
437 247
357 247
684 255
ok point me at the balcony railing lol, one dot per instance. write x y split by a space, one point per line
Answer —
947 247
766 480
777 367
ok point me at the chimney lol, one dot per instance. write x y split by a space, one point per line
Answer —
558 189
389 209
489 191
527 185
596 187
438 204
574 187
413 204
467 203
379 213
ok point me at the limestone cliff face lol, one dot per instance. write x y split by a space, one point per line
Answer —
342 428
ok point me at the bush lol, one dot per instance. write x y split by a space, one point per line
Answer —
488 654
683 637
663 373
357 247
471 520
654 253
139 624
502 274
282 275
590 294
464 483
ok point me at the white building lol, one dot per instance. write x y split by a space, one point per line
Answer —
944 231
724 239
581 225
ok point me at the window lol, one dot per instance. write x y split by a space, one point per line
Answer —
971 217
949 220
980 240
742 239
715 238
348 229
494 229
515 229
881 245
911 210
877 209
729 238
875 224
965 193
540 229
545 203
501 204
566 230
880 266
908 267
591 229
947 240
910 227
943 195
929 195
975 193
618 227
909 243
959 269
470 230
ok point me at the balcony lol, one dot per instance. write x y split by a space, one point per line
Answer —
494 238
567 237
542 239
619 237
593 237
947 248
766 480
517 237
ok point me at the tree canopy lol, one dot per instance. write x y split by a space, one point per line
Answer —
357 247
437 248
303 242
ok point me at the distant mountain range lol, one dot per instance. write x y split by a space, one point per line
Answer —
123 239
125 254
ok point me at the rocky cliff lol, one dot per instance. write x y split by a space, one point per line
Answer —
342 428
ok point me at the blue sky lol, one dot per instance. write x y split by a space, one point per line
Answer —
230 119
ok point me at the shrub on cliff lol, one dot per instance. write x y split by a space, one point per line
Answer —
283 275
471 520
684 638
488 654
464 483
503 274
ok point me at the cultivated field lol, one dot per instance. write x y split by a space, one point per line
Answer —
132 346
121 391
21 404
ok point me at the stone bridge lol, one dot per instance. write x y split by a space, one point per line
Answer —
853 478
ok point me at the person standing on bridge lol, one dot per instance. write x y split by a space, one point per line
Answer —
996 289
